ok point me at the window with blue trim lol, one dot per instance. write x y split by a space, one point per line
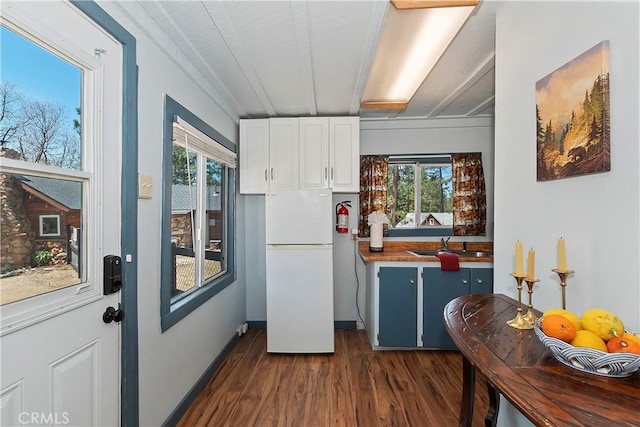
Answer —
198 217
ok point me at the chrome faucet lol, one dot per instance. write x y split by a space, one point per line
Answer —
445 243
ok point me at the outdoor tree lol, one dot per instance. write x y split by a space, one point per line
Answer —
401 189
183 171
10 120
39 130
436 191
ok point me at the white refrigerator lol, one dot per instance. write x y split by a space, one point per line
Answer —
299 271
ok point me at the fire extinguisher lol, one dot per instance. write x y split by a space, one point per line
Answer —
342 216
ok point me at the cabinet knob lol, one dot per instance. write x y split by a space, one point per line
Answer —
464 281
479 280
266 177
412 281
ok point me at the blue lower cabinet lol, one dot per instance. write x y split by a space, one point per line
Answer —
481 281
398 308
440 287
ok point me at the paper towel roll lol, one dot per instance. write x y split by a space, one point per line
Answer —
375 234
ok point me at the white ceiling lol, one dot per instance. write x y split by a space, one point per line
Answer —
308 58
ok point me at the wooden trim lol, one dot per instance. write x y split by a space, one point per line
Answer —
424 4
383 105
56 204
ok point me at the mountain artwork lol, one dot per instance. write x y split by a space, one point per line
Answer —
573 117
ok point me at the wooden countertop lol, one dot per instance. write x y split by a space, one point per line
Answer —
397 251
523 370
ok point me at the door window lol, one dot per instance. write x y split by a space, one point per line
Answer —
47 174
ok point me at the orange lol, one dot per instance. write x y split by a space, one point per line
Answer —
558 326
622 345
566 313
586 338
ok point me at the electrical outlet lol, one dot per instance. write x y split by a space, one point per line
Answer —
354 234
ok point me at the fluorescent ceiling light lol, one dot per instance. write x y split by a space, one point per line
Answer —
411 43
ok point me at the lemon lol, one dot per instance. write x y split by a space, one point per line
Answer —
630 336
570 316
585 338
602 322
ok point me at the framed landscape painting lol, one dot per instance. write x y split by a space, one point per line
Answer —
573 117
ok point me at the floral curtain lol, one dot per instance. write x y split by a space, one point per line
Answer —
373 189
469 195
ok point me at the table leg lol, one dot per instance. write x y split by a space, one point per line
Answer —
494 406
468 393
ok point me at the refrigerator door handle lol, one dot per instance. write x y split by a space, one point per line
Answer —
287 246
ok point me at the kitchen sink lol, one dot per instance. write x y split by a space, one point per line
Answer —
471 254
474 254
426 253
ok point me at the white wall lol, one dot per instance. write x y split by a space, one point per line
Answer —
598 215
170 363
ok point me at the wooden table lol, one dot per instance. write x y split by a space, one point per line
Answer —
518 366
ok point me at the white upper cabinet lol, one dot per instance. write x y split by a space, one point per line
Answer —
300 153
254 156
314 152
344 154
283 153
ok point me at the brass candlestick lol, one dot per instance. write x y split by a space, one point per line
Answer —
563 282
519 322
530 316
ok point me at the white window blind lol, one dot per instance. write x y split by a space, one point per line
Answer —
187 135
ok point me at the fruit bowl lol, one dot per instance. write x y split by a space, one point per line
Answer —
588 359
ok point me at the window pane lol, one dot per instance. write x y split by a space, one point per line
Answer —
436 196
49 225
183 216
215 261
41 116
41 229
401 195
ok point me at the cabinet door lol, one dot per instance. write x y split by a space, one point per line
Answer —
283 153
440 287
481 281
397 307
254 156
314 152
344 154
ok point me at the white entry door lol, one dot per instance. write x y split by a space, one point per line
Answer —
60 360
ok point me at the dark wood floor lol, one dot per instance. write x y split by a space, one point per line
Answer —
355 386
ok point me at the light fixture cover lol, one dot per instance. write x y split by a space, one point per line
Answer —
411 43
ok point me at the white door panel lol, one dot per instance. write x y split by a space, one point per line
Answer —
60 361
60 373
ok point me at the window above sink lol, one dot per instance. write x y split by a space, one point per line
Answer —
424 194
